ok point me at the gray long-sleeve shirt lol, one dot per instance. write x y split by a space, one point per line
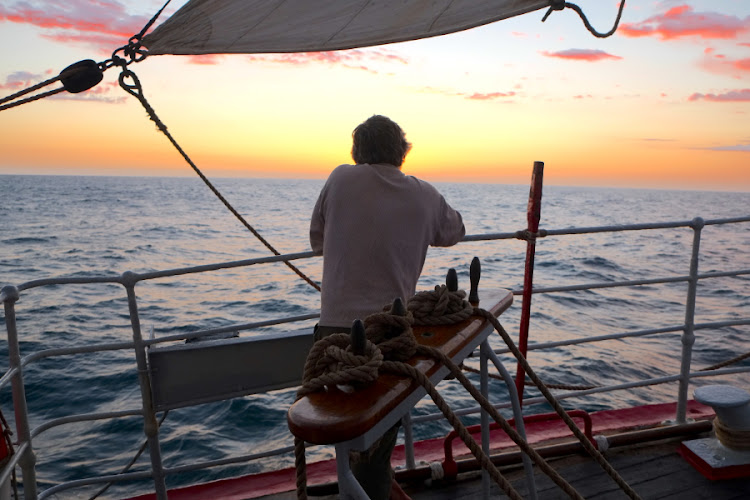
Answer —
373 225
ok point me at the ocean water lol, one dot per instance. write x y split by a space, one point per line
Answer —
82 226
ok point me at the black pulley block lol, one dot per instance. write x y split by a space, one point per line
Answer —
81 76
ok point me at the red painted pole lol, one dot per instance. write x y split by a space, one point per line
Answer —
533 214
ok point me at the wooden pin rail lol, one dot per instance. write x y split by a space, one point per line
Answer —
340 415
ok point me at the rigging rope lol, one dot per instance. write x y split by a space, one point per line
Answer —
331 361
76 78
30 89
560 5
726 363
131 462
596 454
136 90
85 74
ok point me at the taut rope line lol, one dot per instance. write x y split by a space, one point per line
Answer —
590 448
85 74
331 361
499 419
33 98
442 295
726 363
136 91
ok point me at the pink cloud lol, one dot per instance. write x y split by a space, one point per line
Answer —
108 92
478 96
743 147
723 65
20 80
740 95
354 59
104 24
682 21
472 96
205 59
581 55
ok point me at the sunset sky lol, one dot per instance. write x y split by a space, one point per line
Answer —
663 103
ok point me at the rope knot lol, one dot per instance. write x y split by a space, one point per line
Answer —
527 235
393 334
440 306
332 362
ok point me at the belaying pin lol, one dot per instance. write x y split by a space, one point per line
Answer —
398 309
451 280
475 271
359 339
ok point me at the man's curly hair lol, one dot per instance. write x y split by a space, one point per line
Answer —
379 140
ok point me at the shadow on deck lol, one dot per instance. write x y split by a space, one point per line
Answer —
655 470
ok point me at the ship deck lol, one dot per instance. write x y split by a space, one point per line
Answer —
655 470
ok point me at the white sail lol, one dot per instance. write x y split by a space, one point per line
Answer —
268 26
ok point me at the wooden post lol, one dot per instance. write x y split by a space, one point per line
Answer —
533 214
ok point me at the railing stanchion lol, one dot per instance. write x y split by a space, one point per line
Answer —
533 214
27 462
13 378
484 387
688 335
150 425
409 459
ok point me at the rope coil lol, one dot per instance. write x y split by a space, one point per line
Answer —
735 439
331 362
439 307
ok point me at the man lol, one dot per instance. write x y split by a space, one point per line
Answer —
373 224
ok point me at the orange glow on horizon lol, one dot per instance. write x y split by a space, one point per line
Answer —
664 103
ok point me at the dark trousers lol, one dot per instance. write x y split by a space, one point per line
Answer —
371 467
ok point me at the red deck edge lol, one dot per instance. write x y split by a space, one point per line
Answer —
713 473
430 450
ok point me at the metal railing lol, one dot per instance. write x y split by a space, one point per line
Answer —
25 458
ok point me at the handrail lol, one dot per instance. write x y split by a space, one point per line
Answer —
623 335
112 478
14 375
86 417
473 410
135 277
615 284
